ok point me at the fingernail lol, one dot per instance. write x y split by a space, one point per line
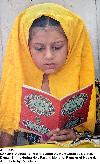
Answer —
57 129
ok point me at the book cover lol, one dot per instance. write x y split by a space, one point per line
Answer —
42 112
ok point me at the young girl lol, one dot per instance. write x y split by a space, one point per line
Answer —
48 49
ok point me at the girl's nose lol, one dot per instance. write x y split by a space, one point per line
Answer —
49 54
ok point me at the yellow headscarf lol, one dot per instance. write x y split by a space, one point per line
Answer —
19 69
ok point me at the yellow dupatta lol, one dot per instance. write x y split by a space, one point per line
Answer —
18 67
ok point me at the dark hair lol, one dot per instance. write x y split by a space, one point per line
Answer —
44 21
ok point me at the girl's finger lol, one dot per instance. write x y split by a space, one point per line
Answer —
55 131
66 131
63 137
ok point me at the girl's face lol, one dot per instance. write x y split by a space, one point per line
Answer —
48 47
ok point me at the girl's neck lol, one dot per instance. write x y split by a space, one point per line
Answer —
45 78
45 84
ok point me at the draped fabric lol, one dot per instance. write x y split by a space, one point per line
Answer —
19 68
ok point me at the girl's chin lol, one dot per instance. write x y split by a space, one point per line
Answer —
51 71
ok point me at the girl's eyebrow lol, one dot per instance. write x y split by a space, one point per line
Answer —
36 43
55 42
60 41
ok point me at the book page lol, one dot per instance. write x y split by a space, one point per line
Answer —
75 107
39 111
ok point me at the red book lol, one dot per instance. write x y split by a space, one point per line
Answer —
42 112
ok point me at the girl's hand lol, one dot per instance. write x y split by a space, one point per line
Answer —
60 135
63 135
6 139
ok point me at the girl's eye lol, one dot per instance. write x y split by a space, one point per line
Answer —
57 48
39 48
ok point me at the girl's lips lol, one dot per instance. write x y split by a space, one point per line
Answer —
49 65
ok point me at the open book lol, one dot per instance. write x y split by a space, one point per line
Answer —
42 112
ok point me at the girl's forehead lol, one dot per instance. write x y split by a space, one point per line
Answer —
48 30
